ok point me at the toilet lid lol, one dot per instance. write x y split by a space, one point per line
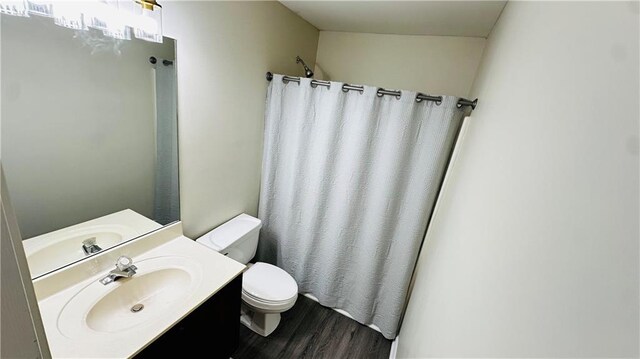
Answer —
268 282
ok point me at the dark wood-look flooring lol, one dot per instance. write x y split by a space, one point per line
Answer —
309 330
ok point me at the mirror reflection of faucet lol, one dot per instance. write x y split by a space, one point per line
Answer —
89 246
124 269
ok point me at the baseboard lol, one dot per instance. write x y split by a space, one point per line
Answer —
394 348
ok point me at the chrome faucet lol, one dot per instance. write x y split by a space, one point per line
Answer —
124 269
89 246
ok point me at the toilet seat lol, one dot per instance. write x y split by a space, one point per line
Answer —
264 307
266 286
266 301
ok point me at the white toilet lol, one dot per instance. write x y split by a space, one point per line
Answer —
267 290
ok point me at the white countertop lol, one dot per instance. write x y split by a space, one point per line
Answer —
216 271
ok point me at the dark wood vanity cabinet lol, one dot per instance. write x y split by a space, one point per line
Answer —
210 331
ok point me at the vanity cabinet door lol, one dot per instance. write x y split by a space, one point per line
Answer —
211 331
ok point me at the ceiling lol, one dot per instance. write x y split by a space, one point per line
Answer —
442 18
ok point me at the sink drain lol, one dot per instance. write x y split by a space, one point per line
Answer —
137 307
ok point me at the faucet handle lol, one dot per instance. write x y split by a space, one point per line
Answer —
89 241
124 263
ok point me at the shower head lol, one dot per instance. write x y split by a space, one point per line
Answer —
307 71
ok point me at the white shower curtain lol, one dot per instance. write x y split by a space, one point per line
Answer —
349 182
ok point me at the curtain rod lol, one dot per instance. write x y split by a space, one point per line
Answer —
381 92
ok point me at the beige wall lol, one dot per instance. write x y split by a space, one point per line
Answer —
534 249
78 138
439 65
224 50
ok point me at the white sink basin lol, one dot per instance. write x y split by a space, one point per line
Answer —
129 304
139 300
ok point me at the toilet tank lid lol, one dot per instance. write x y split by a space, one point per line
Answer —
227 233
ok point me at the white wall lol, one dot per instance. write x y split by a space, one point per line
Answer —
224 50
534 249
78 138
21 331
439 65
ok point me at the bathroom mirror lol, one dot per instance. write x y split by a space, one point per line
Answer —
88 138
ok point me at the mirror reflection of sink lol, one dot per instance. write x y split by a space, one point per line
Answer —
67 248
56 249
130 303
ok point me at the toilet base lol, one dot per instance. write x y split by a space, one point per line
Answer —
260 323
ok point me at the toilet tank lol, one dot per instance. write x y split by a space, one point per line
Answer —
236 238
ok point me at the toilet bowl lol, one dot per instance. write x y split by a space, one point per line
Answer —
267 290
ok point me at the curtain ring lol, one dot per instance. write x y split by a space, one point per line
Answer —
381 92
345 89
286 81
428 98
